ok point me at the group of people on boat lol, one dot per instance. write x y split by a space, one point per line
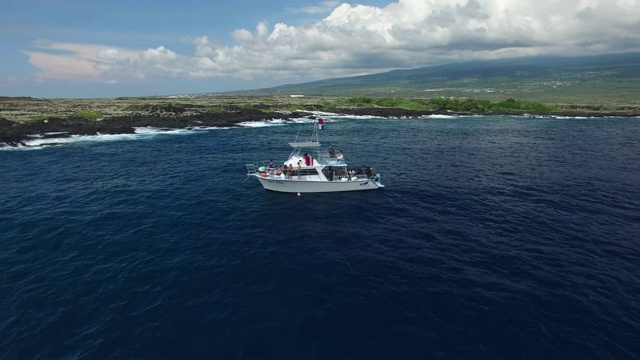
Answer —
363 170
286 171
332 154
331 172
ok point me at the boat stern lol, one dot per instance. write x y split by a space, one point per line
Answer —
376 181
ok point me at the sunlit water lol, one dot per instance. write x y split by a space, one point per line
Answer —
495 238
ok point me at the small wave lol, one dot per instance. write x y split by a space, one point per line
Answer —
209 128
149 130
39 141
56 133
446 117
325 114
301 120
7 147
555 117
570 117
353 117
266 123
79 138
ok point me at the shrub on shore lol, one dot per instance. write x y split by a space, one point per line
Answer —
446 104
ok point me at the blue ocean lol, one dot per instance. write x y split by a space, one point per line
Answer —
494 238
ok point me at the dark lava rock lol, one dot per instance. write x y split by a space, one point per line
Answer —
15 133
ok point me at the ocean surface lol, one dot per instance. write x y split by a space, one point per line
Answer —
495 238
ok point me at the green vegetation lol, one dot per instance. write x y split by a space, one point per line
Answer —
446 104
91 109
90 115
215 109
609 80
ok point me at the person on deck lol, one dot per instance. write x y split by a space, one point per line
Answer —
340 155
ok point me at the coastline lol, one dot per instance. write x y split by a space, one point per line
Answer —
14 133
22 119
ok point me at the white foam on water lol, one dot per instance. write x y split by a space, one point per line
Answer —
569 117
56 132
80 138
39 142
20 147
209 128
327 117
303 120
152 131
337 117
441 116
147 130
266 123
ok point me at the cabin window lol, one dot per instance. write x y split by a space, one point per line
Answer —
306 172
331 172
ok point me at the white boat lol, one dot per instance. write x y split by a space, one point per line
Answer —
313 171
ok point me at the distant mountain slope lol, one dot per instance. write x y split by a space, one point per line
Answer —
602 78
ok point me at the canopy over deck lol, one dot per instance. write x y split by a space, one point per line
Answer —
304 144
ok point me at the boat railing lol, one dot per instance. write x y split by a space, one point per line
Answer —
328 160
251 169
348 178
261 165
339 172
262 169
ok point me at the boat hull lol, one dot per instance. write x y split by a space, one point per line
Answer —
311 186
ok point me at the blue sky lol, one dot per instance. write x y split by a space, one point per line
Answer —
89 48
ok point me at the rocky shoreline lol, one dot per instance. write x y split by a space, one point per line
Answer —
17 133
177 116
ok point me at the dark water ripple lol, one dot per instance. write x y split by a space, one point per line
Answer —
496 238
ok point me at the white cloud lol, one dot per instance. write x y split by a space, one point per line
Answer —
243 35
322 8
203 47
77 62
360 39
64 61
